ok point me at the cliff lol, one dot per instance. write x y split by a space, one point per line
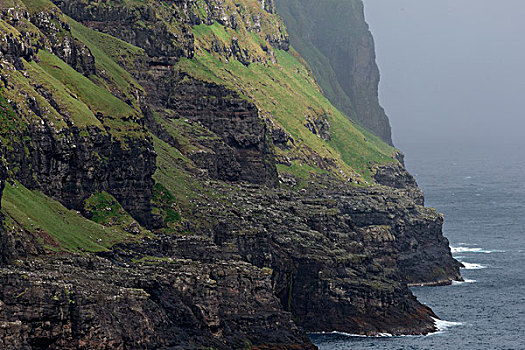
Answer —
334 39
175 178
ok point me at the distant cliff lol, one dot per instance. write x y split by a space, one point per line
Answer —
333 37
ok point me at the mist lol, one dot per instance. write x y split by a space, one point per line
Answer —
452 71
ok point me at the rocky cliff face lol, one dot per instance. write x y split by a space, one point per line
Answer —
334 39
47 146
269 213
232 118
90 303
332 268
71 166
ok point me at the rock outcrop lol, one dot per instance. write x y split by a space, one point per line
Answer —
138 24
340 250
72 165
233 119
90 303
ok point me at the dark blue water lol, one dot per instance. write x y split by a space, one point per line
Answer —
482 194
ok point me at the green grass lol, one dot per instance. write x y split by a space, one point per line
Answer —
9 121
301 172
6 28
172 175
288 92
66 100
121 118
98 99
166 202
154 260
178 176
104 209
42 216
111 55
35 6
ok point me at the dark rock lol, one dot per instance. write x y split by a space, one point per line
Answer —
58 37
137 24
72 165
90 303
344 250
396 176
232 118
319 126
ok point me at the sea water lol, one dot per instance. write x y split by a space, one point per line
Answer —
482 194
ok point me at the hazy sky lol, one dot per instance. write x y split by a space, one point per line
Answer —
451 69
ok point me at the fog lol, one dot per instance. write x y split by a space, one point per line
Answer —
452 71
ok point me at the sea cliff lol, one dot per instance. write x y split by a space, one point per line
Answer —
174 177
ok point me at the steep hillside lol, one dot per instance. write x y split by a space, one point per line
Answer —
175 178
334 39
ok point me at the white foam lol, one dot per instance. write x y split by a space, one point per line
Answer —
379 335
341 333
472 266
473 250
465 249
493 251
459 283
442 325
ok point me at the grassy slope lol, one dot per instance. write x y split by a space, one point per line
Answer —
284 90
111 57
288 92
100 100
40 215
297 24
80 101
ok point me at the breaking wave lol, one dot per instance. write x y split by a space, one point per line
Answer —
472 266
442 325
459 283
463 249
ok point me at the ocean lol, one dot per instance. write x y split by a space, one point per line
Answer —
481 191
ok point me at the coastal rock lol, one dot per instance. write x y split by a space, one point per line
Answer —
343 251
90 303
396 176
232 259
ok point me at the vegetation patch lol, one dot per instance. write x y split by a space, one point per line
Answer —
44 217
165 205
111 55
287 92
121 118
104 209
